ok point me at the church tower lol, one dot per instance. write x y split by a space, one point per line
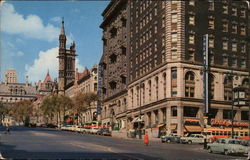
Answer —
66 62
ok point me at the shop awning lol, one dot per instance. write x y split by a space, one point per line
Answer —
161 125
193 128
138 119
173 126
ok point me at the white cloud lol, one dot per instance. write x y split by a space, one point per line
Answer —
56 19
46 60
19 53
31 26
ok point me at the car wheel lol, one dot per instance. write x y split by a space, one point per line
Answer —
210 150
226 152
189 142
168 141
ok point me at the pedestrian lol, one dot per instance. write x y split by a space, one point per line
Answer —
7 129
146 140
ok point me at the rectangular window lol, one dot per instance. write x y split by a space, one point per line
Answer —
243 48
191 39
225 27
211 5
243 14
234 28
244 115
234 62
234 46
211 43
225 9
234 11
243 30
174 91
174 37
192 3
174 18
174 53
191 20
210 24
225 61
174 111
225 45
243 63
174 73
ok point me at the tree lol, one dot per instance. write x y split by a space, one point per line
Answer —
22 111
4 111
82 102
56 105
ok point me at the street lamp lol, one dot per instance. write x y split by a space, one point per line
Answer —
141 85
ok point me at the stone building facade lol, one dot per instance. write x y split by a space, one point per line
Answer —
85 82
114 64
165 63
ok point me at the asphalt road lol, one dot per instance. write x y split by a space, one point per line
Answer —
39 143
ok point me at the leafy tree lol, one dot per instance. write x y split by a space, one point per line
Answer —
4 111
22 111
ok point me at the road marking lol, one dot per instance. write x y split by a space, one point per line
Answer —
36 133
91 146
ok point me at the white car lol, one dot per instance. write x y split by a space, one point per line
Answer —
66 128
93 130
193 138
228 146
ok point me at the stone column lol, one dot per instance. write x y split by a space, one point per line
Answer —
168 119
168 83
160 116
180 120
153 118
146 120
180 82
219 114
238 114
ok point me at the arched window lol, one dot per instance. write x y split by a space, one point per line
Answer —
149 90
245 83
211 86
228 88
164 85
189 84
132 97
157 87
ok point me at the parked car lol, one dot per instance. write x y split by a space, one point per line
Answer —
85 129
93 130
227 146
66 127
193 138
168 139
51 125
104 132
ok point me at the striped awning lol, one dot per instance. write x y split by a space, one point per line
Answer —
173 126
193 128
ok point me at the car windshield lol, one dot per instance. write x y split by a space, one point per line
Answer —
234 142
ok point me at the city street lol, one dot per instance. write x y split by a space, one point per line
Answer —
41 143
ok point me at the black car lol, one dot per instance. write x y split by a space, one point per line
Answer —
50 125
168 139
104 132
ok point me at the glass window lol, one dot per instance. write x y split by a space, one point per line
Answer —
225 45
211 42
210 24
174 37
191 39
173 111
174 17
234 46
191 20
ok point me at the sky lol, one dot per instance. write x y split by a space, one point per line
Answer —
30 30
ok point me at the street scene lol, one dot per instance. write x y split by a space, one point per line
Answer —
41 143
125 79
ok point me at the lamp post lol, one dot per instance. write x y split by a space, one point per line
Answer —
141 85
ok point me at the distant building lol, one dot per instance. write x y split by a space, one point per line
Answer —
66 62
47 86
10 76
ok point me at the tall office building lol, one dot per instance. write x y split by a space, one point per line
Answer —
165 63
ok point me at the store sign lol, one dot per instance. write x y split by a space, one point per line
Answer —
227 123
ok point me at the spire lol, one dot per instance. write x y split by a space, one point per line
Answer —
62 28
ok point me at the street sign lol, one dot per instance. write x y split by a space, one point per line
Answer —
205 73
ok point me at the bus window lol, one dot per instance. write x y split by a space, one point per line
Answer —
225 133
241 133
229 133
246 134
216 132
213 133
221 133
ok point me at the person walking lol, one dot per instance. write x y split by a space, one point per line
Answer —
146 140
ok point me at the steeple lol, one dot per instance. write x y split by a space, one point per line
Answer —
62 28
62 37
